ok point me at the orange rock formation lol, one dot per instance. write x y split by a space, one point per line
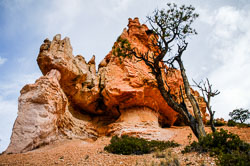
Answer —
72 100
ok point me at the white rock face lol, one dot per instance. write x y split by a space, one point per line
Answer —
39 106
139 122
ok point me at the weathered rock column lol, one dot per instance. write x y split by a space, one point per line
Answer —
39 107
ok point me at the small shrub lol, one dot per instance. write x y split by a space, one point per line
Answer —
160 154
235 158
231 123
122 49
131 145
169 159
127 145
218 123
189 138
161 145
170 162
223 144
207 123
242 125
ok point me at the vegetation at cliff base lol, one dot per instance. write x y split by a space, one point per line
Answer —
231 123
227 147
127 145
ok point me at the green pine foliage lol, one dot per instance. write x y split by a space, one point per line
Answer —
240 114
231 123
227 147
127 145
122 49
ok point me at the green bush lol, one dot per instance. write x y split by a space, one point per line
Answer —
131 145
207 123
223 144
231 123
239 125
218 123
122 49
242 125
235 158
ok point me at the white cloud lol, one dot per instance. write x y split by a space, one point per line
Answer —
230 40
121 5
226 22
2 60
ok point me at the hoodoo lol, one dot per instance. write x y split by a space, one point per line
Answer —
72 100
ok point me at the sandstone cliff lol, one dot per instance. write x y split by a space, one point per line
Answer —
72 100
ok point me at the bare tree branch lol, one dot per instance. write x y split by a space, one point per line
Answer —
206 89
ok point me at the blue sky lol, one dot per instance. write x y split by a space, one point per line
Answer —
220 51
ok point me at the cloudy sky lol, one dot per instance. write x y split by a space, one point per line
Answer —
220 51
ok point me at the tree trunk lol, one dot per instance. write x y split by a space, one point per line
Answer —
241 121
197 128
211 116
198 124
212 123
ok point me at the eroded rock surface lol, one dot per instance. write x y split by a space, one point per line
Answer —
39 108
72 100
79 80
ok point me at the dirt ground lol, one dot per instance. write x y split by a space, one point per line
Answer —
78 152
